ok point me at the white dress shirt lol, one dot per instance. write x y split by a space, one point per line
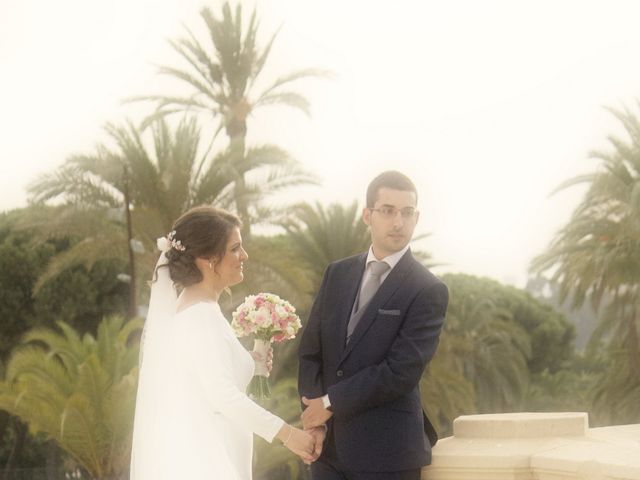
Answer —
391 260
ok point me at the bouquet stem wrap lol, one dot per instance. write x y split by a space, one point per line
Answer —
259 385
269 319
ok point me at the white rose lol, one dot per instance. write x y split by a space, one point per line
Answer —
163 244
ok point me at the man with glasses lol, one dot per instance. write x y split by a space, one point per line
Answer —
373 328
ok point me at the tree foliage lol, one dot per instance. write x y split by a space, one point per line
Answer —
596 256
223 79
79 391
80 296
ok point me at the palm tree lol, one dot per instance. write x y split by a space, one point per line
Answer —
292 264
446 392
485 344
597 252
596 255
164 181
616 396
223 82
80 392
320 235
567 390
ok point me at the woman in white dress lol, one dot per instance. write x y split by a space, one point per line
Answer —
193 419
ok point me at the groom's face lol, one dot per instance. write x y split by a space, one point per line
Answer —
392 220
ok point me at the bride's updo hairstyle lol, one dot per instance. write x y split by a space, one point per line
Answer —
202 232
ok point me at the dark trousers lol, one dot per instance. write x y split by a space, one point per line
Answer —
326 470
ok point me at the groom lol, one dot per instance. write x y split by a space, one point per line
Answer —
373 328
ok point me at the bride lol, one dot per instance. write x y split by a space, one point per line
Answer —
193 419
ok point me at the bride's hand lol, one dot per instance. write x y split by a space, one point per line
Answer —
299 442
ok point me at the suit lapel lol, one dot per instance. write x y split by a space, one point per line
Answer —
346 297
387 289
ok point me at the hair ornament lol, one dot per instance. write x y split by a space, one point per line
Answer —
167 243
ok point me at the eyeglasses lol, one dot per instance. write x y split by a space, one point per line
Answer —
388 213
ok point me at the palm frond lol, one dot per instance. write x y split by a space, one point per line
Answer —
294 76
79 392
291 99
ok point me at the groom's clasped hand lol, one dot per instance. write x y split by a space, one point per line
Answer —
307 442
314 418
315 415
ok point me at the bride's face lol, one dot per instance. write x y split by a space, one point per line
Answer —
229 268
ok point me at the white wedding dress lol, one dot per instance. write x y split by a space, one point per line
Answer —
193 419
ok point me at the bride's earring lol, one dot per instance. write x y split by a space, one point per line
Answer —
210 265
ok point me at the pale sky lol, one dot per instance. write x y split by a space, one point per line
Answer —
487 105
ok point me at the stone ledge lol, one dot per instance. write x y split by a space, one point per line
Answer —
521 425
536 446
485 474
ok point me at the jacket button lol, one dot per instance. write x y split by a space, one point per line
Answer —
339 373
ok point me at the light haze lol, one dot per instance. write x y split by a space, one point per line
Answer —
488 105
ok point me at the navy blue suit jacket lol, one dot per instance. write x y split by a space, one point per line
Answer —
378 424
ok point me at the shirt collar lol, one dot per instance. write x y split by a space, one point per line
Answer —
392 260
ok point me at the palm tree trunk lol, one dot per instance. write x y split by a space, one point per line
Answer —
133 309
237 148
53 460
4 423
20 433
634 344
5 419
243 207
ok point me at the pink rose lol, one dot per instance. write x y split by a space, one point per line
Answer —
279 337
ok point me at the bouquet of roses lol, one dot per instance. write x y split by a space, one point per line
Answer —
270 319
